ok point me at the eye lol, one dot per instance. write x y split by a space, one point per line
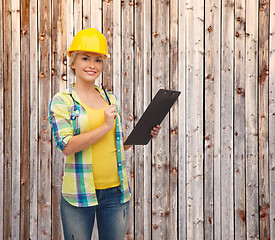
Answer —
85 58
98 60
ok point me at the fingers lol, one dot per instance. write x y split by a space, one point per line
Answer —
155 131
111 111
110 114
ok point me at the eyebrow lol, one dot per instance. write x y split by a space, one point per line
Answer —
98 57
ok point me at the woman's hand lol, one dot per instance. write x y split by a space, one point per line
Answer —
110 114
155 131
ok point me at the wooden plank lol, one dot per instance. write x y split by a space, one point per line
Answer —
217 122
212 193
147 75
75 11
251 96
2 125
33 120
194 124
70 34
227 200
74 25
272 118
44 169
7 120
116 49
160 146
96 14
264 201
86 8
239 121
15 66
25 121
127 55
139 109
190 206
182 217
174 122
78 15
107 31
59 49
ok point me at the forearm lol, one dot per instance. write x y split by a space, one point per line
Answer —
82 141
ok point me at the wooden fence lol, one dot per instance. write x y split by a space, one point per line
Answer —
210 174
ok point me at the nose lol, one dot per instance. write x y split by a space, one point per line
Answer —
92 64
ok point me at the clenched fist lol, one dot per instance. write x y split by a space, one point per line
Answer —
110 114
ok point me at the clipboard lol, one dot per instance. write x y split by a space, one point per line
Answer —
153 115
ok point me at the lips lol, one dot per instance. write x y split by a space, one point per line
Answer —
91 72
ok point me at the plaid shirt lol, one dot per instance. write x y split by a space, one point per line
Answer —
68 118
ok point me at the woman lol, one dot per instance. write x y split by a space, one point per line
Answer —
88 132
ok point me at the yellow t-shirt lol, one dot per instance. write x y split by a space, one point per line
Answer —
104 157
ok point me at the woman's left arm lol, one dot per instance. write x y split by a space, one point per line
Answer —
154 133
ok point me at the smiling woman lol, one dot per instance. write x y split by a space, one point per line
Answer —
73 57
87 66
87 129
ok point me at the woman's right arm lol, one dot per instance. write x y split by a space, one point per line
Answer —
66 141
79 142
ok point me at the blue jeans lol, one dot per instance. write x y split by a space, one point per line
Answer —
111 215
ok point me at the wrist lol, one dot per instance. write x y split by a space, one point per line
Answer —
106 127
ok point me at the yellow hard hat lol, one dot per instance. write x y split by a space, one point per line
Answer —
89 40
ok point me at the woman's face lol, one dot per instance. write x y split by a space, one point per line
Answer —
88 66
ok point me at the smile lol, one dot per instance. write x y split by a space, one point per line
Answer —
91 72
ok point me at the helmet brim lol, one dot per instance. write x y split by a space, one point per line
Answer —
105 56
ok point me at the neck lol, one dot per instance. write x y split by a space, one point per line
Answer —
85 88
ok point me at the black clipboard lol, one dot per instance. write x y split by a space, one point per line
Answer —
153 115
